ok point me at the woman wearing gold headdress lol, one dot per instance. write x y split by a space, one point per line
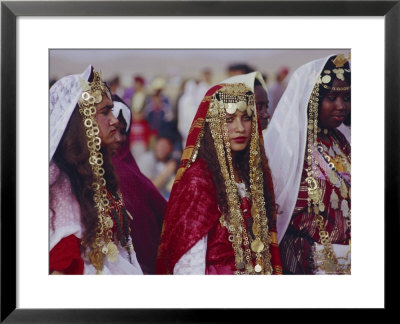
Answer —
310 163
220 217
89 225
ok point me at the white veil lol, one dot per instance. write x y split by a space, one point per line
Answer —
247 79
64 96
285 139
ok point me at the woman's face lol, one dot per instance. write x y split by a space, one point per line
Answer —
239 130
106 121
335 106
262 102
120 136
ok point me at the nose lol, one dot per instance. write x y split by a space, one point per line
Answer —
340 104
113 120
239 127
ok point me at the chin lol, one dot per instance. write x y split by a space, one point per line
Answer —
238 147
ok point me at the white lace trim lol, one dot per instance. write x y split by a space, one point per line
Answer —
193 262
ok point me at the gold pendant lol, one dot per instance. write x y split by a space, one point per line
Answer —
343 190
332 177
112 254
258 268
249 268
334 200
108 222
257 246
329 266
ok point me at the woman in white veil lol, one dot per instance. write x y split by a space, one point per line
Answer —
310 164
89 224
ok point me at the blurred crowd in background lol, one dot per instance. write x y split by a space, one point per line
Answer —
163 110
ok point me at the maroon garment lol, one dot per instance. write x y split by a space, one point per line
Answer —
146 205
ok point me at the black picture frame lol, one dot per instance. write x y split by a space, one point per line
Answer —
10 10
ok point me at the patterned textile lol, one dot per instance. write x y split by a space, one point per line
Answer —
299 240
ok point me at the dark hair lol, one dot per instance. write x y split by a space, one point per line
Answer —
240 66
257 83
72 158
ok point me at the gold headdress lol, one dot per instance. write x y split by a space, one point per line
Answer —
338 71
103 244
252 255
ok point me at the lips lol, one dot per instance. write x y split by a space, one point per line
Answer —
339 117
240 139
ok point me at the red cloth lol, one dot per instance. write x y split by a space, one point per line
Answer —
191 213
66 256
146 205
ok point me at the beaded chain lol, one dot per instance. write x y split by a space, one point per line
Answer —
103 244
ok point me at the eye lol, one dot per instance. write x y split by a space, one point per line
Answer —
347 98
246 117
331 98
229 119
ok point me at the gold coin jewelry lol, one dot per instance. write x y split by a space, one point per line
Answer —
103 245
329 262
314 191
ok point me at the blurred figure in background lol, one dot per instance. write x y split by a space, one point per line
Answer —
139 96
140 134
239 68
158 108
187 107
141 198
115 86
160 165
277 89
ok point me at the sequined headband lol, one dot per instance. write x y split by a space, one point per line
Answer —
230 98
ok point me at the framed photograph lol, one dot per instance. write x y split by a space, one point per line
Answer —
370 29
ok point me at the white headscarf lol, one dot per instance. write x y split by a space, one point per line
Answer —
285 139
64 96
248 79
126 112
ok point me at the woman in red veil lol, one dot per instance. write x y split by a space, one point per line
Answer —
221 214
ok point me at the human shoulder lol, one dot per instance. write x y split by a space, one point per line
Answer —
197 174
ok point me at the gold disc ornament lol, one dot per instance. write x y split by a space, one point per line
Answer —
257 246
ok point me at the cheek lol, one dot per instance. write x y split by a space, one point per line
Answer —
247 127
102 122
229 128
326 107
